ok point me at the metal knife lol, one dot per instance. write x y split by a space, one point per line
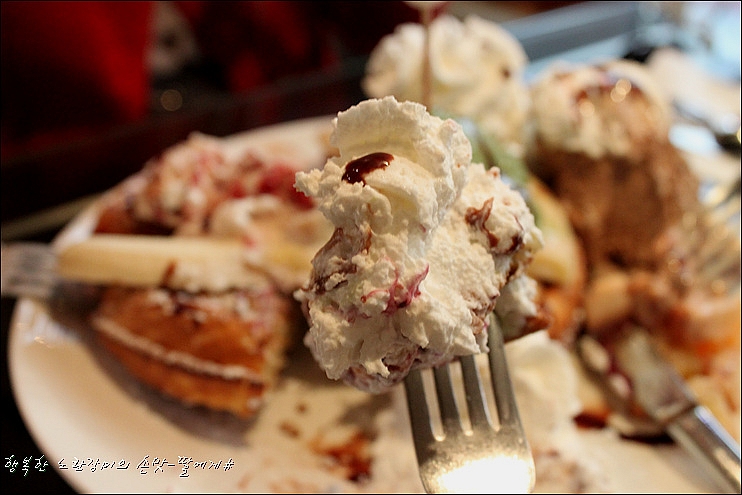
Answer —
662 393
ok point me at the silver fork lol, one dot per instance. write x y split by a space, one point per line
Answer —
714 243
491 455
27 269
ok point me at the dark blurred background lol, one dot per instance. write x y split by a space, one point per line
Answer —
90 90
90 77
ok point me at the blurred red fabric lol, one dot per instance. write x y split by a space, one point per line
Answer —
71 69
71 66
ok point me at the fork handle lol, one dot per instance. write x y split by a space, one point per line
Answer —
700 434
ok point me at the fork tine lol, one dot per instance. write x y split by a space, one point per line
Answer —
446 400
475 398
27 270
716 245
507 413
418 409
723 266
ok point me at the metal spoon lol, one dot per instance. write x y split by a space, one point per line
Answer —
725 128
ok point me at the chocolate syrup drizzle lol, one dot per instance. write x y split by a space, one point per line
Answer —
356 170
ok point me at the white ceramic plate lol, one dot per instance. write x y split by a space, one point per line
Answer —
82 409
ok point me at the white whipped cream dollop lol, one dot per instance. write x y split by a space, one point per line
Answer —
476 70
602 109
424 243
546 385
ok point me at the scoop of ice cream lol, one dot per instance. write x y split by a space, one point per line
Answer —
475 69
424 244
600 139
598 109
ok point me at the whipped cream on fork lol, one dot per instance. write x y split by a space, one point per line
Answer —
425 243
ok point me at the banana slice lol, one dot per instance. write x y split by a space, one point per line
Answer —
188 263
561 260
